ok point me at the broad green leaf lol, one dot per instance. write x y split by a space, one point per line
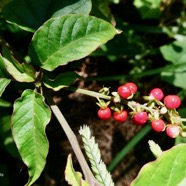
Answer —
31 14
3 84
64 39
71 176
21 72
174 52
176 75
168 169
29 120
61 81
148 8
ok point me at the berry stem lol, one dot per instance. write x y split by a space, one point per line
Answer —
133 105
183 119
178 118
89 93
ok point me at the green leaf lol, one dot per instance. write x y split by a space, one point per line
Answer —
21 72
71 176
3 84
174 52
175 74
168 169
61 81
31 14
64 39
29 120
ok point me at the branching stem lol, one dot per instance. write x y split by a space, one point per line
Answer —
89 93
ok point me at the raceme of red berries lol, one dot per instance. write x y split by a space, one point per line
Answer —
172 101
140 118
157 93
132 86
104 113
124 91
158 125
172 131
120 116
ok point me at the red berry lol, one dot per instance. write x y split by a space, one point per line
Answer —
133 88
120 116
124 91
157 93
104 113
172 131
172 101
140 118
158 125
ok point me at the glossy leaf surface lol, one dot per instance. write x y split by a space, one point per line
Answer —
21 72
175 75
174 52
64 39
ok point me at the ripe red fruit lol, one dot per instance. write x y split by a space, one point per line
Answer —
104 113
140 118
120 116
133 88
172 101
158 125
172 131
124 91
157 93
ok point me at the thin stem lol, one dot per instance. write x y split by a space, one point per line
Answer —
144 131
183 119
73 141
133 105
89 93
178 118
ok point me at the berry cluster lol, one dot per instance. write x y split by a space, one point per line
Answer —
161 115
